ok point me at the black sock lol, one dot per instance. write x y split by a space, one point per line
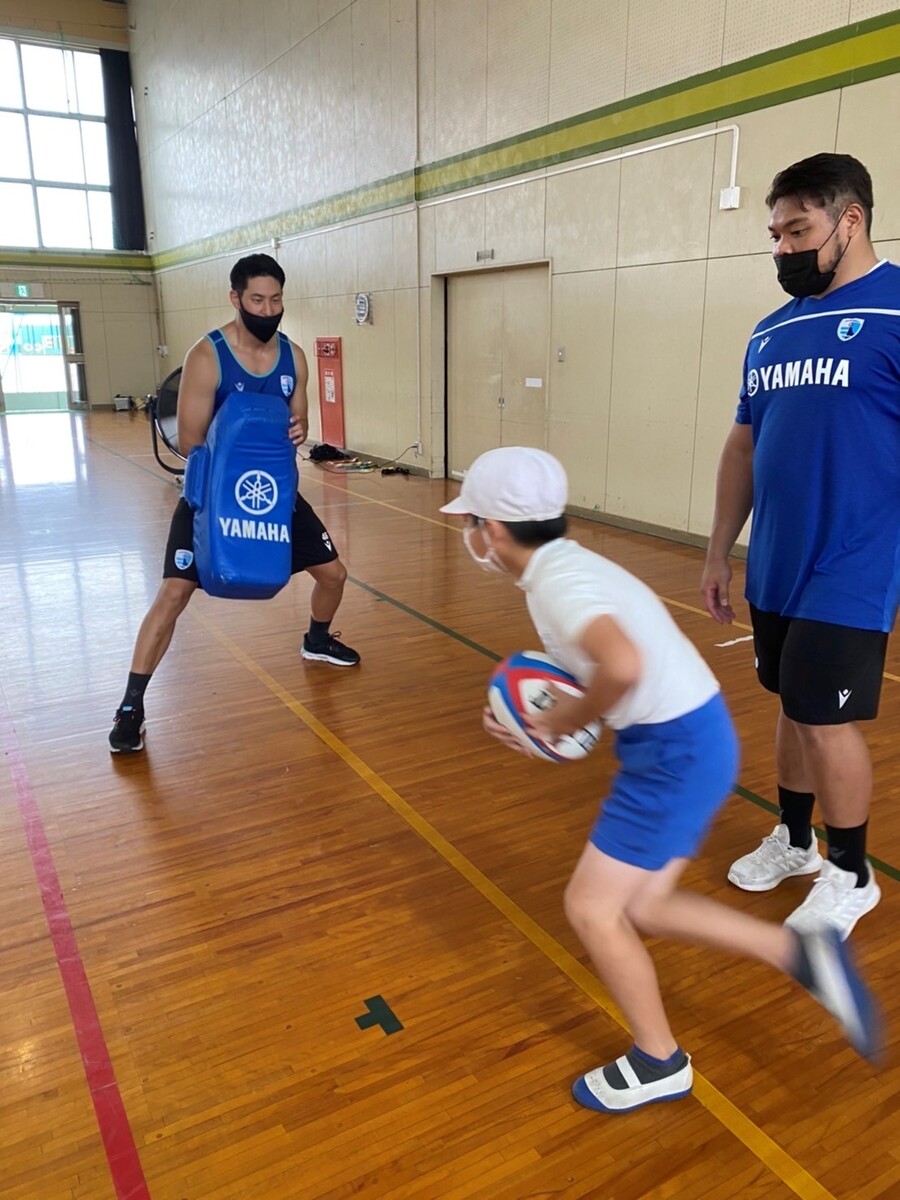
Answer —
847 850
318 632
796 813
134 691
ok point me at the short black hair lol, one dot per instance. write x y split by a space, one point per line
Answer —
829 181
536 533
252 266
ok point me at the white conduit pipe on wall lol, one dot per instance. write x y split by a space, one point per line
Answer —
731 190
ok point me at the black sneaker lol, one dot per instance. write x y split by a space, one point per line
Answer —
125 737
330 651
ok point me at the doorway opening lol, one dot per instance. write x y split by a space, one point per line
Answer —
41 358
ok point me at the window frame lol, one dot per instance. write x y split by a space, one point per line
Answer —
34 182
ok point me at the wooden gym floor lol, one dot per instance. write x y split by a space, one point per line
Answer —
310 944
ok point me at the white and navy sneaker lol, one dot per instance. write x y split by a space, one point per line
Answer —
773 860
835 902
827 971
630 1082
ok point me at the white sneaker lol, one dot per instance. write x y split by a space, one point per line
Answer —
594 1090
774 860
835 901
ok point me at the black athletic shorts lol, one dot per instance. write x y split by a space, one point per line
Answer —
311 544
825 674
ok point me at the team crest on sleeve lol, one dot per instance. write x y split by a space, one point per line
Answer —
183 559
849 327
287 384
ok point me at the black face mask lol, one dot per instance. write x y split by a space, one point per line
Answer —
262 328
799 273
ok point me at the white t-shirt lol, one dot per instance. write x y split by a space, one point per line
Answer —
568 586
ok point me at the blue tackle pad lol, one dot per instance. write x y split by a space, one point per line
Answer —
242 486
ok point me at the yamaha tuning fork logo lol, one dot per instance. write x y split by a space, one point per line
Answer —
256 492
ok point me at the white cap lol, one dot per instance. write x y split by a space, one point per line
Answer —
513 483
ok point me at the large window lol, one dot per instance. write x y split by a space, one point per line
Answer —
54 166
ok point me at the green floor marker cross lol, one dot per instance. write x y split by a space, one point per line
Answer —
379 1014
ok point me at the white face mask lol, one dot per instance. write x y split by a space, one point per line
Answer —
490 562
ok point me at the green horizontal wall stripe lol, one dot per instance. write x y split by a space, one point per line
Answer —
374 197
796 92
698 100
742 67
853 54
72 258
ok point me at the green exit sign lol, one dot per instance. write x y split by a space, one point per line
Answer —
23 289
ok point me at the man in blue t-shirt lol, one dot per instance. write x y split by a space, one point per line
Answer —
246 354
815 453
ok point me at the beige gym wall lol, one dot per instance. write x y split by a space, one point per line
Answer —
271 121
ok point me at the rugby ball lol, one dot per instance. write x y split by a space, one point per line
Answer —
520 688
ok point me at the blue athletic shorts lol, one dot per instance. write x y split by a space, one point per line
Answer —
673 778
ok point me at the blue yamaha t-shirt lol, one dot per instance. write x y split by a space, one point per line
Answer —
821 390
280 381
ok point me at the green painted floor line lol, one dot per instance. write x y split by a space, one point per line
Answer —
743 792
412 612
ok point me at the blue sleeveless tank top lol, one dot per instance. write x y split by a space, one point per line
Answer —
233 377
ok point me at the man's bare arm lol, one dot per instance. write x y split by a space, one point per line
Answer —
196 395
734 502
299 427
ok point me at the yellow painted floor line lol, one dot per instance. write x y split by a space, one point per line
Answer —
347 491
777 1160
701 612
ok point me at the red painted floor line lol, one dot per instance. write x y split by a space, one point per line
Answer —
118 1140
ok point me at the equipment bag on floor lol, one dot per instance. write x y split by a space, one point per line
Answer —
242 485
